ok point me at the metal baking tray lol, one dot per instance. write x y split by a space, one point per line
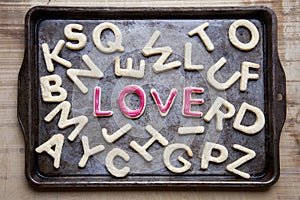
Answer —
169 29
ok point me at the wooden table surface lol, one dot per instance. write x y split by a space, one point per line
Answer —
13 184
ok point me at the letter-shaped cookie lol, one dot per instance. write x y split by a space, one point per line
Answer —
164 109
168 152
129 71
188 101
246 75
207 154
94 72
250 129
203 36
75 36
97 104
142 150
87 152
112 46
53 56
56 140
116 152
159 65
211 76
215 111
65 108
188 58
133 114
235 41
250 154
49 89
116 135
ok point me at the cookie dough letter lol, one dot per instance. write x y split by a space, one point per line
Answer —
49 89
87 152
128 71
110 164
207 157
116 135
54 56
235 41
188 58
156 136
164 109
250 129
215 110
133 114
65 108
250 154
168 152
57 141
188 101
94 72
97 104
203 36
75 36
165 52
211 76
112 46
246 76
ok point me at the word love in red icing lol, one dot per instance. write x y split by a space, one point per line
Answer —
163 108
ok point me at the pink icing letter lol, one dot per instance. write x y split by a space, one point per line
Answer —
97 103
125 110
164 109
188 101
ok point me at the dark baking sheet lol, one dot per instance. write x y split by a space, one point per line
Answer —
46 25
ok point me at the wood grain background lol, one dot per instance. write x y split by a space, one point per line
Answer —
13 184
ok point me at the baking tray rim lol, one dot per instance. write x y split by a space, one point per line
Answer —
33 16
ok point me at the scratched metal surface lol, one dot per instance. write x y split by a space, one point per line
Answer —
136 34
